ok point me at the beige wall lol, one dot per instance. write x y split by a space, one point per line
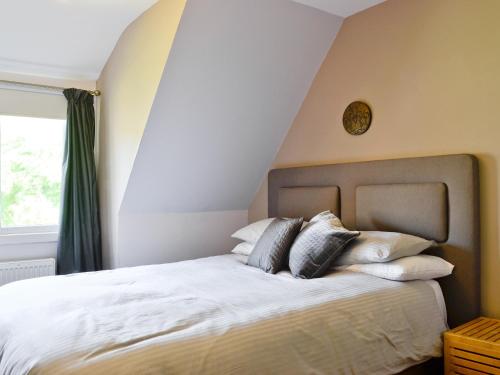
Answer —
430 69
129 82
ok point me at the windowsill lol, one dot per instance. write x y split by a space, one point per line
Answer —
27 238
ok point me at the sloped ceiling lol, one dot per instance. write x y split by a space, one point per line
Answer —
235 78
68 39
343 8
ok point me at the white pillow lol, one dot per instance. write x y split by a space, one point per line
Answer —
327 215
252 232
243 248
418 267
376 247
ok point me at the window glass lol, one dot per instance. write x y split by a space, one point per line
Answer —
31 152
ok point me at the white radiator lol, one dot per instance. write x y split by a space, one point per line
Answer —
26 269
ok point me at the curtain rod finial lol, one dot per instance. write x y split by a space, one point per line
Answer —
95 92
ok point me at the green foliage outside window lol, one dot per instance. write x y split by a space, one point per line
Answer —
30 170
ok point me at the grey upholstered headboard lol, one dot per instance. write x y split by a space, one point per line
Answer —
432 197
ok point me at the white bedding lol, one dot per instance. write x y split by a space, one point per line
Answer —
216 316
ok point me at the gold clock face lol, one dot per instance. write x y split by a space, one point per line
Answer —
357 118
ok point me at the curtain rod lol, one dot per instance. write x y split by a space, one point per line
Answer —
92 92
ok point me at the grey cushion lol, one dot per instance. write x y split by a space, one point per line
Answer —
316 247
271 250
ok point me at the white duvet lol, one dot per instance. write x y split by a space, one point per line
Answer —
216 316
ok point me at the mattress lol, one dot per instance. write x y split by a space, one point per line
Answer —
217 316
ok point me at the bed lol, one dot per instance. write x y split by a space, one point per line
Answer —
217 315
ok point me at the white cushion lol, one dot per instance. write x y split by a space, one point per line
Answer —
252 232
418 267
327 215
376 247
243 248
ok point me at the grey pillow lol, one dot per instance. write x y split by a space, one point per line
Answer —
272 248
316 247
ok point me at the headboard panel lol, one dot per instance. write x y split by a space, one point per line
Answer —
425 213
447 186
308 201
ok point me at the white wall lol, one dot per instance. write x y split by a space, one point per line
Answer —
343 8
175 237
31 104
234 80
129 82
35 250
63 38
40 80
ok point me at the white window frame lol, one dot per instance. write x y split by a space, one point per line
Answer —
32 233
27 238
31 229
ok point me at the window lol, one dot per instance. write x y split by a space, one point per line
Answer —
31 152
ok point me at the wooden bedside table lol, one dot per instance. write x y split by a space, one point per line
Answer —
473 348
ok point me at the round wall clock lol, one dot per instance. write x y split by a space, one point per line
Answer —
357 118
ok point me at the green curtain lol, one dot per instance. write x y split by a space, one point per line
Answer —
79 247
